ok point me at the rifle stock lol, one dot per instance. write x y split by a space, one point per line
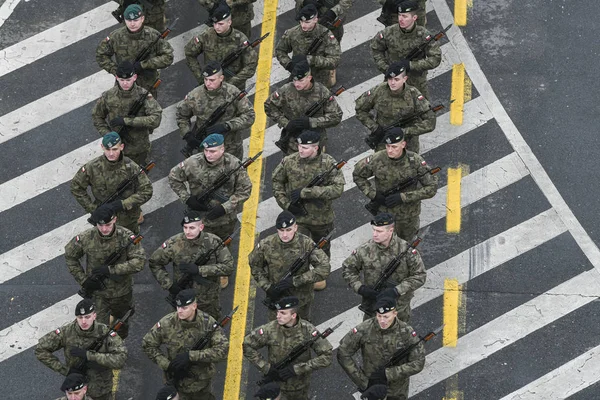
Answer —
136 107
126 183
317 181
420 49
234 55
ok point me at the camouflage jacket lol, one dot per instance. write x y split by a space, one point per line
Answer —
393 44
295 172
371 259
339 7
180 336
178 249
325 58
96 249
272 258
112 354
199 174
389 173
242 11
377 346
279 341
215 48
389 107
124 45
117 102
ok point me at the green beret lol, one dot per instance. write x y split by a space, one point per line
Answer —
212 140
133 12
111 139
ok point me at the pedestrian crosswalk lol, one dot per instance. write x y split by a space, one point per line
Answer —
524 277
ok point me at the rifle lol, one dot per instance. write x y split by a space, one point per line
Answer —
299 350
186 279
373 207
420 49
316 43
367 306
317 181
234 55
136 107
110 260
296 265
126 183
146 51
373 141
282 143
198 133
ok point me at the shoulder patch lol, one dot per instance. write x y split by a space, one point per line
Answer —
368 159
107 38
414 333
331 37
181 164
354 330
186 97
113 334
380 35
164 245
196 39
276 94
83 169
353 252
77 238
157 326
261 331
421 97
57 331
423 163
368 92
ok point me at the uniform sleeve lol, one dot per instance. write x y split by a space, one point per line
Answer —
320 271
423 124
241 193
349 346
414 364
280 180
163 56
433 58
416 277
342 7
193 49
255 340
73 254
249 60
330 57
258 267
152 117
142 194
427 188
274 109
244 115
283 49
351 269
208 4
223 266
114 357
151 343
184 115
79 185
216 352
378 49
104 53
99 114
332 115
136 257
177 179
363 108
47 345
361 174
324 351
331 190
157 264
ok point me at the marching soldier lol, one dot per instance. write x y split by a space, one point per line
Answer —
104 175
183 251
75 338
392 101
273 256
280 337
329 11
287 106
178 331
154 12
216 44
127 42
205 99
111 112
297 40
373 257
269 391
378 339
110 286
395 42
242 13
167 392
390 167
389 12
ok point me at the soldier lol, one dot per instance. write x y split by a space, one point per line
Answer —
373 257
297 40
389 12
154 12
216 44
392 101
204 100
287 106
167 392
273 256
75 387
242 13
111 112
75 338
280 337
329 11
104 175
110 286
290 178
127 42
395 42
199 172
178 331
378 339
390 167
269 391
183 250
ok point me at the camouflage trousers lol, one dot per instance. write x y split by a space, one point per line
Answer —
156 21
102 397
398 389
420 82
406 226
300 394
223 230
138 158
116 307
208 300
245 27
129 219
234 144
316 233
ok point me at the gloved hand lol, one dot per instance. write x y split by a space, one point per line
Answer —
218 128
175 289
379 198
78 352
91 285
285 284
389 292
190 269
289 67
191 140
273 292
390 6
375 392
287 373
137 66
116 121
272 374
299 58
181 362
367 292
378 377
215 212
327 18
375 137
116 206
195 204
299 124
295 195
101 271
296 210
393 200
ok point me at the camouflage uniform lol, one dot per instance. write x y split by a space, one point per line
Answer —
389 107
201 103
200 175
154 12
389 173
339 7
124 45
280 341
287 103
295 172
242 13
104 177
112 355
392 18
178 249
117 298
325 59
393 44
215 48
377 346
271 259
117 102
179 336
372 259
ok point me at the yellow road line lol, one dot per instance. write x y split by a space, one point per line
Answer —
115 385
241 296
451 305
453 210
457 94
460 12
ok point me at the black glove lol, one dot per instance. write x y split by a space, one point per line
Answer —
195 204
175 289
295 195
117 121
218 128
289 67
375 392
273 292
327 18
116 206
285 284
296 210
181 362
389 7
190 269
298 124
78 352
378 377
191 140
379 199
215 212
91 285
287 373
393 200
375 138
101 271
367 292
273 374
137 66
389 292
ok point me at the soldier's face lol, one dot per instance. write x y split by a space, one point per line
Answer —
287 234
127 83
213 82
222 26
107 229
308 150
303 84
309 24
114 152
187 312
407 20
213 154
77 395
397 82
386 320
286 317
85 321
382 234
193 229
134 25
395 150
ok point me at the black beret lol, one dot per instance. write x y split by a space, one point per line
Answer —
375 392
102 215
286 303
301 70
268 391
191 216
385 304
407 6
393 135
396 68
220 12
84 307
309 137
284 220
166 393
211 68
383 219
73 382
125 69
185 297
309 11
